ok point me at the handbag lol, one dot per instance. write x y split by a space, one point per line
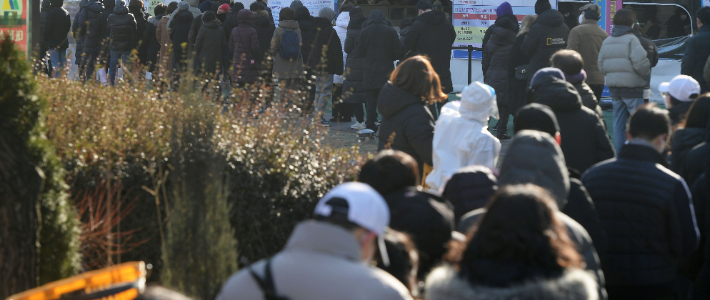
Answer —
521 72
252 61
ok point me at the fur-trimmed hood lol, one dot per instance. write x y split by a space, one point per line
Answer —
443 283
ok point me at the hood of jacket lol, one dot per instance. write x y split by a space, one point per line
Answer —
261 20
620 30
444 283
478 102
356 23
548 170
56 3
559 95
302 15
193 3
183 16
288 24
322 23
245 17
137 12
550 17
503 36
120 10
212 24
376 16
155 20
433 17
392 100
343 20
95 6
322 237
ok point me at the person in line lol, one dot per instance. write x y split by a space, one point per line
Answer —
179 35
222 13
122 29
353 92
433 35
422 214
137 9
701 194
503 11
679 95
469 189
105 48
193 7
693 164
264 32
244 46
461 136
343 236
325 61
519 250
663 217
403 260
518 65
407 124
43 61
265 4
379 46
624 63
340 112
210 46
150 37
651 54
232 19
572 64
288 62
584 138
404 26
165 57
88 31
691 131
587 39
548 35
305 23
56 30
195 28
496 57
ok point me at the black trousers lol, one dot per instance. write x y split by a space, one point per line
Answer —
371 107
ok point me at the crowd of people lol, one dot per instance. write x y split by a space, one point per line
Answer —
569 212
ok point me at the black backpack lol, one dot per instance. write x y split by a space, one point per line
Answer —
267 283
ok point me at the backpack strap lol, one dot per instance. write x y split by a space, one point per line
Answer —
267 283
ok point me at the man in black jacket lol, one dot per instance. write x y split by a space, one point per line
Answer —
432 35
122 29
179 34
56 28
546 36
646 211
87 30
697 50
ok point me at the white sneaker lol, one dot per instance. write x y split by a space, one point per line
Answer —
358 126
102 76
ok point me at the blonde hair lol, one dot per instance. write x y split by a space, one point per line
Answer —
528 21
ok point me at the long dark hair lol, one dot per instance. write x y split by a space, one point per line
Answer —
417 77
699 113
518 239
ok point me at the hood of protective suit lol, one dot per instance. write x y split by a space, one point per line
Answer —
343 20
478 102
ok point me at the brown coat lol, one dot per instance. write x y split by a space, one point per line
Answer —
163 37
286 68
587 39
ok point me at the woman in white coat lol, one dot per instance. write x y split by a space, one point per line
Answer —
461 136
341 28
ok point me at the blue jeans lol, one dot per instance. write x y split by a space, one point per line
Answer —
113 64
58 59
324 89
623 107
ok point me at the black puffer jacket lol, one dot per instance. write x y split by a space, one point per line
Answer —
265 31
305 23
232 21
408 118
701 258
496 57
547 36
697 50
683 141
141 24
88 25
122 29
353 91
151 41
379 46
103 27
57 26
692 165
486 36
180 30
646 212
433 35
580 208
517 88
469 189
326 55
588 98
584 139
210 48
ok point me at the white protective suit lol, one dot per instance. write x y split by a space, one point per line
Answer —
461 136
341 28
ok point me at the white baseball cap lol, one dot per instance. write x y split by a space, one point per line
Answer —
682 87
365 206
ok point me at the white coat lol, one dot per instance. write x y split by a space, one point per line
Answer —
341 28
461 136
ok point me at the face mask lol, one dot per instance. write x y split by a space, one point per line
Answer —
581 18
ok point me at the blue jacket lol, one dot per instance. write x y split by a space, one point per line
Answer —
697 50
648 216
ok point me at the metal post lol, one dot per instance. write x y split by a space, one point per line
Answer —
470 49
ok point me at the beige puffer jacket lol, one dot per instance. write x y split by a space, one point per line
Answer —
623 60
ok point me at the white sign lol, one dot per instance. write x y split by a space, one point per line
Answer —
313 6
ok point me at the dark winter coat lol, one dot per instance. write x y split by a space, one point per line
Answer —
651 50
701 201
683 141
468 191
646 212
589 100
265 31
517 89
105 48
179 32
305 23
88 26
427 218
353 92
580 207
584 139
408 118
45 8
433 35
697 51
496 57
210 47
194 30
122 29
230 22
326 54
487 36
151 40
57 26
547 36
379 46
692 165
141 24
244 45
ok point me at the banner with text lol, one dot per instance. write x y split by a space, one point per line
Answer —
13 22
609 9
473 17
313 6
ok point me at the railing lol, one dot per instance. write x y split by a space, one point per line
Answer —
470 49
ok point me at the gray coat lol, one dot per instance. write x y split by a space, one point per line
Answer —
623 61
286 68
